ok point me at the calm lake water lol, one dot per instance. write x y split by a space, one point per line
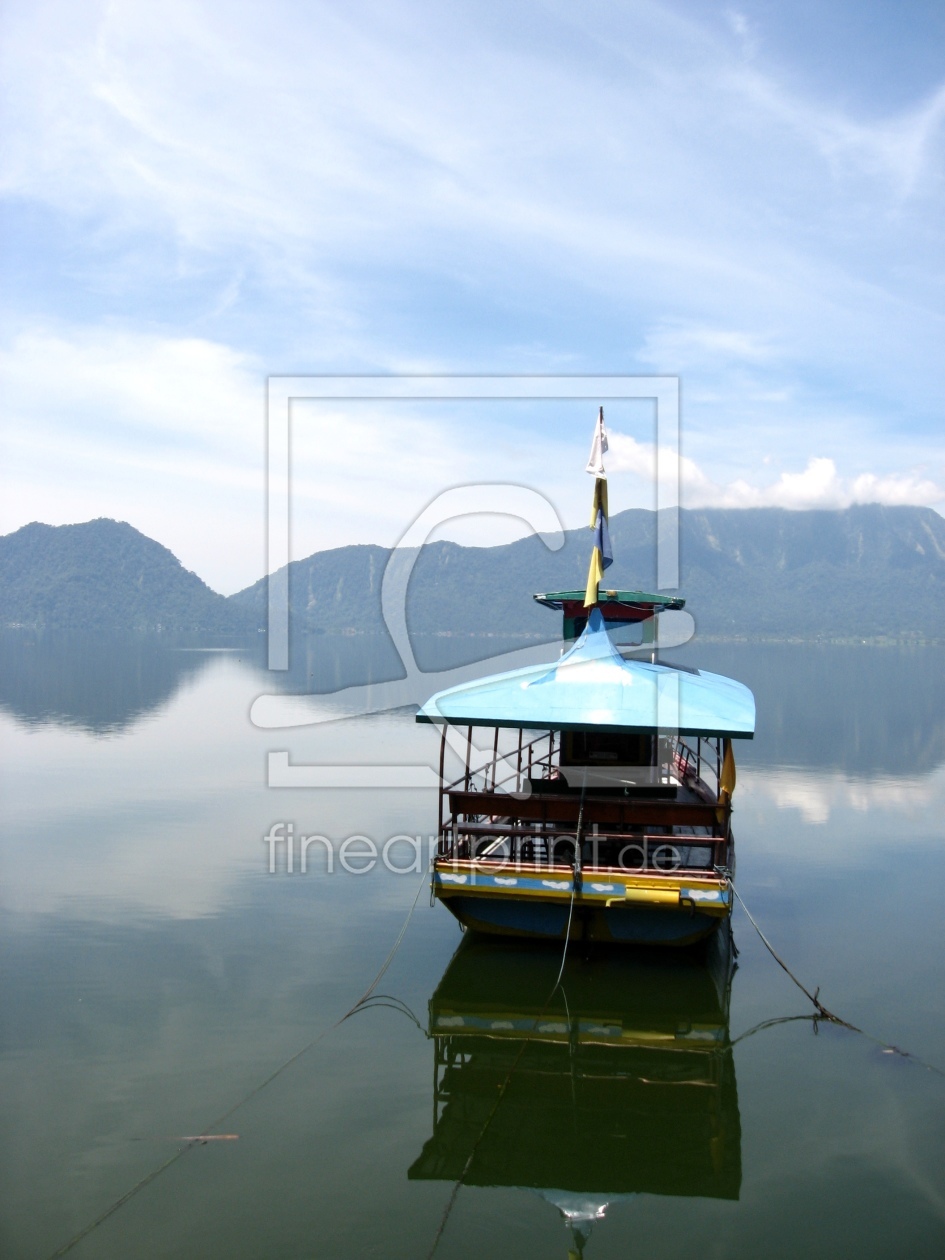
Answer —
156 975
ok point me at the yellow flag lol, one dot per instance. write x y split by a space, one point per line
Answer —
600 500
727 781
594 575
596 571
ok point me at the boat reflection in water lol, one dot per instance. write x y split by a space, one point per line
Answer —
622 1084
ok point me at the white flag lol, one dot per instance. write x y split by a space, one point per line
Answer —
595 464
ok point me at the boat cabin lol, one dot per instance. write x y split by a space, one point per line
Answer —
607 790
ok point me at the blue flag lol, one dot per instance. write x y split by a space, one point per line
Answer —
602 540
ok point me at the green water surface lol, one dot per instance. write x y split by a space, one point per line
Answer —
156 975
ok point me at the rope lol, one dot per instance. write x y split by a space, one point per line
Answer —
392 1003
567 937
812 997
822 1011
770 1023
156 1172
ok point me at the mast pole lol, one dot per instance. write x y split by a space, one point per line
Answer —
439 833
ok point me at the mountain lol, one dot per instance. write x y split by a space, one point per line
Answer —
866 572
105 575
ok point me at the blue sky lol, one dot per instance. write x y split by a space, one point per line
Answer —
196 196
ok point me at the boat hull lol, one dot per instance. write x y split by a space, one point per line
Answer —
673 911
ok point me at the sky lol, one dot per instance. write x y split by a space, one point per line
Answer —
198 196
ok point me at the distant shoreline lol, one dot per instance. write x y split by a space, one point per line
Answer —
210 640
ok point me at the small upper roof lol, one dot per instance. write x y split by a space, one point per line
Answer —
615 605
593 686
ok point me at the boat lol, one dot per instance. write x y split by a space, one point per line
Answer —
623 1085
602 811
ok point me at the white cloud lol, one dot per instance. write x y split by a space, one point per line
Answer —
744 31
132 384
676 347
898 149
819 485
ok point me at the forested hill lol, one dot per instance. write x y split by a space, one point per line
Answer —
105 575
865 572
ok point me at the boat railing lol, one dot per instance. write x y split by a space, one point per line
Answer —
515 808
519 847
528 761
698 763
694 763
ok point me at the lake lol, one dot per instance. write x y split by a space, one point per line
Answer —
165 976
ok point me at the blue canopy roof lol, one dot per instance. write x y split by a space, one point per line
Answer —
592 685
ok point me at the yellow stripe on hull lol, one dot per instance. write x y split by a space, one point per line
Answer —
598 889
672 909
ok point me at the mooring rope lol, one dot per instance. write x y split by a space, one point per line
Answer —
363 1000
392 1003
812 997
770 1023
567 937
822 1012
